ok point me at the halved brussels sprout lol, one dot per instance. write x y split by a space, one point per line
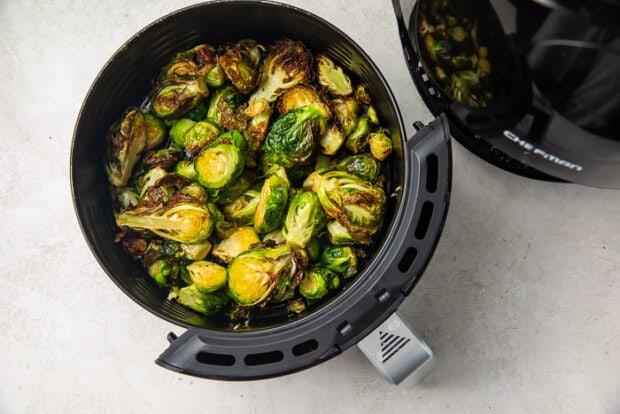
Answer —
345 111
304 219
357 140
362 165
255 274
333 138
332 77
241 210
240 63
186 169
216 77
239 241
301 96
356 204
317 282
199 136
205 303
178 130
195 191
218 165
155 131
259 114
124 144
340 259
174 98
288 63
223 107
272 203
196 251
380 145
163 271
207 276
183 222
338 234
165 158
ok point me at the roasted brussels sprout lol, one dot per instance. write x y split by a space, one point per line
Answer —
317 282
345 111
274 236
272 202
259 114
357 141
219 164
288 63
340 259
240 64
155 131
255 274
331 141
380 145
207 276
356 204
223 107
361 165
174 98
179 129
301 96
150 179
338 234
186 169
195 251
239 241
216 77
166 158
313 248
304 219
362 96
199 136
191 64
457 33
125 142
163 271
290 140
183 222
241 211
205 303
332 77
195 191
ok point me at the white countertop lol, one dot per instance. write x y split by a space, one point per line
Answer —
520 303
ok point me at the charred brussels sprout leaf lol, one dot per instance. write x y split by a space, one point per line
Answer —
166 158
125 142
288 63
206 303
305 218
345 111
185 223
338 234
332 77
207 276
361 165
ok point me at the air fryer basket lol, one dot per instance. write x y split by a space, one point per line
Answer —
275 344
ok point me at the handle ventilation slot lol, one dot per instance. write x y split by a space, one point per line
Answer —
432 173
263 358
305 347
408 258
425 220
222 360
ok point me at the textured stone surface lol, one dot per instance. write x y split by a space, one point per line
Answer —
521 302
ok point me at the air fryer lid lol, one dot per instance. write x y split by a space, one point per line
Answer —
418 174
564 59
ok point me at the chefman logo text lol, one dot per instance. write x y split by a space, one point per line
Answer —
537 151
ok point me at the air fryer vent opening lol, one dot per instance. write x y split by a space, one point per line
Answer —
305 347
425 220
263 358
405 263
432 173
222 360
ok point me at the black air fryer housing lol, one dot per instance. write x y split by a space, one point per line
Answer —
558 64
418 173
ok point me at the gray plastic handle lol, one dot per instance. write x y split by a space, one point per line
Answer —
398 353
